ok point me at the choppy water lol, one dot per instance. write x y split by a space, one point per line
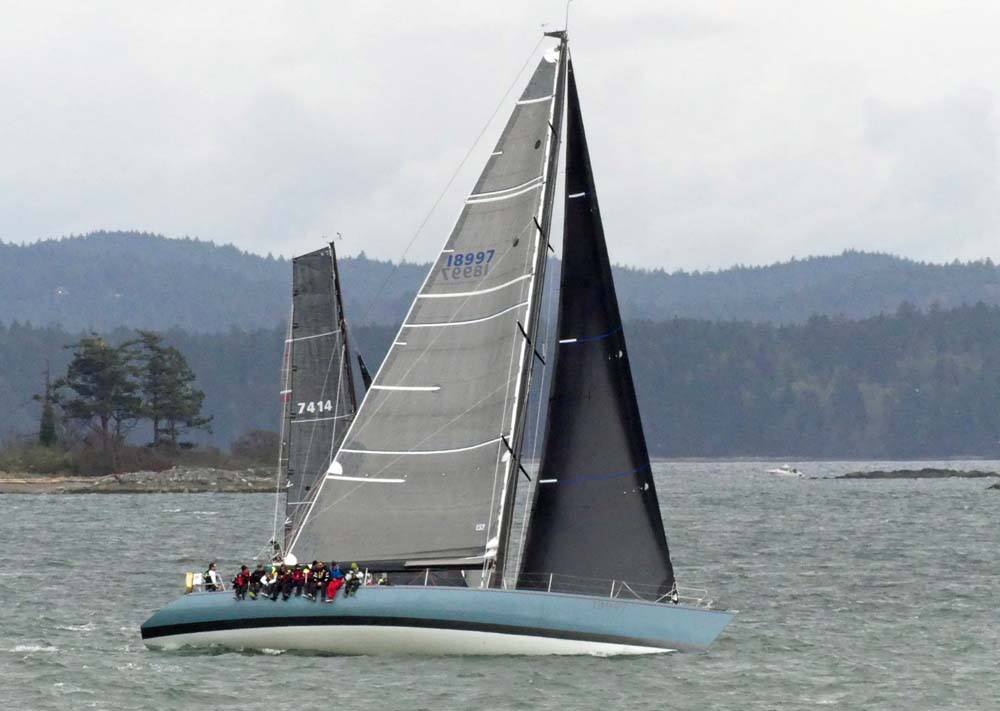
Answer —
852 594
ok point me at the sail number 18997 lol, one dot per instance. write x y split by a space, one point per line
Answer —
468 264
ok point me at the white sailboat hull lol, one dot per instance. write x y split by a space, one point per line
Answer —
366 639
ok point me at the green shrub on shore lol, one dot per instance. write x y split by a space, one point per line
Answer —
35 459
256 449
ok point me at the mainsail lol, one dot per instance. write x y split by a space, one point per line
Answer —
319 392
425 474
596 514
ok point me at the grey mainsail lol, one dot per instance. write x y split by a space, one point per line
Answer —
596 515
319 398
425 472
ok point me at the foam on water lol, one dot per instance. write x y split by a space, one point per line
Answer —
89 627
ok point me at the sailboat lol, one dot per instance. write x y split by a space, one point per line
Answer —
423 486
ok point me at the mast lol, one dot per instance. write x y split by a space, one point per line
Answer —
281 474
596 514
530 329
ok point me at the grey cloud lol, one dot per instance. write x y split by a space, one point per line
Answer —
719 134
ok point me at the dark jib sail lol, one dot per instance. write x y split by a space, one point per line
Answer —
422 476
595 515
319 393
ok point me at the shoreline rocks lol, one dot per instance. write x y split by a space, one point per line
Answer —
925 473
178 480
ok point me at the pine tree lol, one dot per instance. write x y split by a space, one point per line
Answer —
153 377
170 399
47 426
105 392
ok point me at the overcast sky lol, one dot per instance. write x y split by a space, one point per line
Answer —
721 131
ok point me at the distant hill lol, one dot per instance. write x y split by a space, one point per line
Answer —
110 279
106 280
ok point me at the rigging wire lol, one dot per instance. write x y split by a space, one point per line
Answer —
379 293
286 385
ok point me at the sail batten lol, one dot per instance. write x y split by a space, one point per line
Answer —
595 514
460 336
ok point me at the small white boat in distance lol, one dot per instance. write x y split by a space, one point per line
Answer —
786 470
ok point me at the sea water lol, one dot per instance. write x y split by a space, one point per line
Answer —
878 594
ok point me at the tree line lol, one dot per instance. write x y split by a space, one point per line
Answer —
912 384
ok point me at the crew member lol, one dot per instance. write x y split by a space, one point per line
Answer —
241 582
213 581
298 580
318 581
258 580
281 583
336 582
352 580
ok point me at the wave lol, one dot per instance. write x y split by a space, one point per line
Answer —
20 648
88 627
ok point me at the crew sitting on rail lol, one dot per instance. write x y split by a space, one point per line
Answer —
258 580
241 582
318 580
336 582
281 583
298 580
213 581
272 579
287 582
353 580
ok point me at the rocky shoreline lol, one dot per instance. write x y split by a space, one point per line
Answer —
925 473
179 480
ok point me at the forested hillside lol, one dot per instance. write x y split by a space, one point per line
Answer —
106 280
911 384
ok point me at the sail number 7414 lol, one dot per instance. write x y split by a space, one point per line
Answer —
317 406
